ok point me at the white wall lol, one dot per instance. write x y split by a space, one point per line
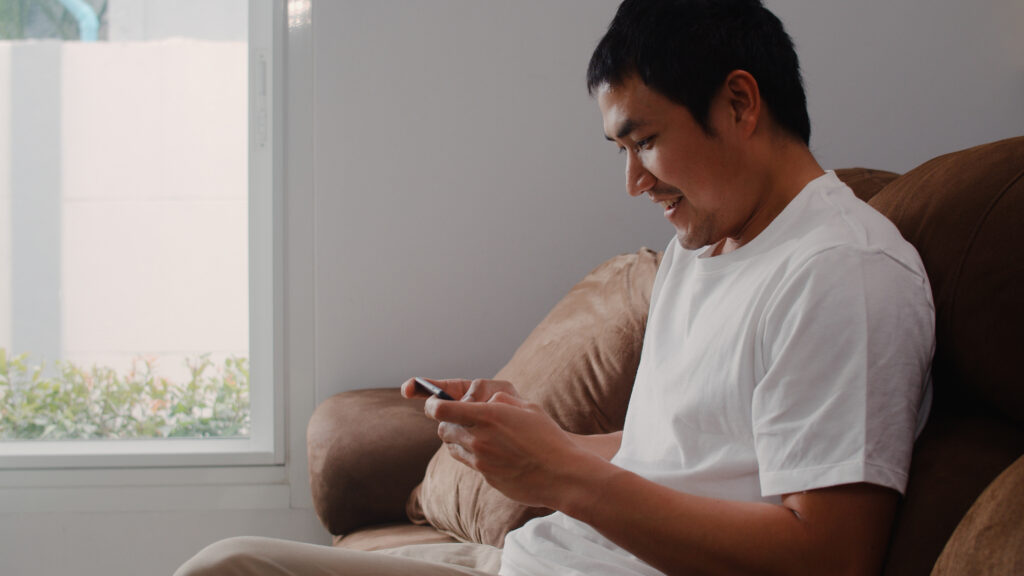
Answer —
134 543
463 183
893 83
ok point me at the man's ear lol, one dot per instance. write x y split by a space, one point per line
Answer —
744 97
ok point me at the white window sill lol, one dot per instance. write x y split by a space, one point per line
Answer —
136 453
144 498
144 489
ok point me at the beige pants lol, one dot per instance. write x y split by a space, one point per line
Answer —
268 557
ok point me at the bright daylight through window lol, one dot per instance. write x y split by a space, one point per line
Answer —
125 220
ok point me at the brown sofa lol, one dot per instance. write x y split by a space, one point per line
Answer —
379 479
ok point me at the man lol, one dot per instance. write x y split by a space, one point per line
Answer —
784 373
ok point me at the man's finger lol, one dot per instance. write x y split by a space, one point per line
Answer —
462 455
506 398
463 413
481 390
454 387
456 438
450 433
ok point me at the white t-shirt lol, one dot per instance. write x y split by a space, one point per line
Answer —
798 361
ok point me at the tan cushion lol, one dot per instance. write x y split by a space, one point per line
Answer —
990 539
578 364
360 478
390 536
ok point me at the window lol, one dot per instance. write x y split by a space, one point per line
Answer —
140 235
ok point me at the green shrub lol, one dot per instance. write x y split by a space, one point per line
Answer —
98 402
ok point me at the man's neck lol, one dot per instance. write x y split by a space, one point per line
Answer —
781 171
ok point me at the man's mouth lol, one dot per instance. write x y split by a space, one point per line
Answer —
671 203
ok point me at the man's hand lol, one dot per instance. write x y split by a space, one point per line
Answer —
463 390
513 443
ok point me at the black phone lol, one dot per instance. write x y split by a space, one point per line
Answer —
433 389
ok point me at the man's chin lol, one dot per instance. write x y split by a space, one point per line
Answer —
687 241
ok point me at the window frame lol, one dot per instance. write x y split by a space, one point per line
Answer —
265 445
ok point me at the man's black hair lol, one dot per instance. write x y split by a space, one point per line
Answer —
684 49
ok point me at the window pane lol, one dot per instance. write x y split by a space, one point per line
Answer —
124 297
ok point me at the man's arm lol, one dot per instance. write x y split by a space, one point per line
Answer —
604 445
839 530
523 453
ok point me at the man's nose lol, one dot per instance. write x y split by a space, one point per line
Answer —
638 179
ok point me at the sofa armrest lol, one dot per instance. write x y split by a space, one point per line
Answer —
367 450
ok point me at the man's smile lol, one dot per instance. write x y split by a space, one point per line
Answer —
669 203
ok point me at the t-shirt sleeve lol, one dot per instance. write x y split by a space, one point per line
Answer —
846 343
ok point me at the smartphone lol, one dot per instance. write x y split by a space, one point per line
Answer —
433 389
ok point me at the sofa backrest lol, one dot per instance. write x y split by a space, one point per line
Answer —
964 212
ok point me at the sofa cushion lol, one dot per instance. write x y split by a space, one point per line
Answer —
364 479
990 538
963 212
865 182
578 364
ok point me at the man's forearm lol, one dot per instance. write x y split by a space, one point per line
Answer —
833 531
604 445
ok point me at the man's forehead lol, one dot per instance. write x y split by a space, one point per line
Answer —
620 110
620 129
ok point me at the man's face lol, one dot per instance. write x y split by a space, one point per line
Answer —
694 177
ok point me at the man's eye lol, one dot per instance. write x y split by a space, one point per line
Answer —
644 144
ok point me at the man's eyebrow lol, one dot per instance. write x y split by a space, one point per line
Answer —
628 126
